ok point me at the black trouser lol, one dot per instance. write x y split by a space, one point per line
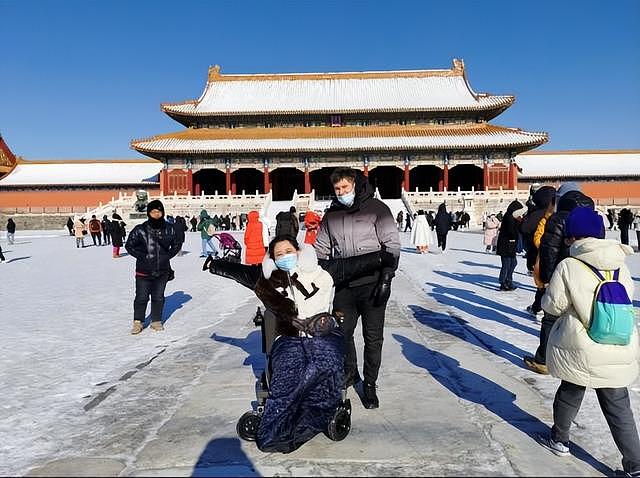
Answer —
638 238
145 287
624 235
615 406
442 239
95 235
545 329
1 254
536 307
107 237
356 302
506 271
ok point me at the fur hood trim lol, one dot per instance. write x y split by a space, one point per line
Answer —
307 261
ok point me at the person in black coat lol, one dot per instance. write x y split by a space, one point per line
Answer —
442 224
194 223
287 223
506 246
539 204
70 226
116 231
180 227
106 229
625 220
153 243
553 250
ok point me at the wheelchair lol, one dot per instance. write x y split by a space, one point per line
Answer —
247 426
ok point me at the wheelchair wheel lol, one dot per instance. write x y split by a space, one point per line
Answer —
247 427
340 425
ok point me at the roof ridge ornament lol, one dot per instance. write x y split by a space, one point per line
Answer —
214 73
458 66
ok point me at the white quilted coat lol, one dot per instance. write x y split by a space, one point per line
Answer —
571 354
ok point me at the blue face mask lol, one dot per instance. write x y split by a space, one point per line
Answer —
347 199
287 262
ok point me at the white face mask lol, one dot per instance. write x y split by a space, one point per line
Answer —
347 199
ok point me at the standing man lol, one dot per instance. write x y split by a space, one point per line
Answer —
95 228
153 243
356 224
11 231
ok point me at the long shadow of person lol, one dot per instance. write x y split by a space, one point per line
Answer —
481 280
490 266
251 345
460 328
174 302
224 457
477 306
475 388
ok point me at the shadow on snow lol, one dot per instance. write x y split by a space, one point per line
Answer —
251 345
224 457
472 387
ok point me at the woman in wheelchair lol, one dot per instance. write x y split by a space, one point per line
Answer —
307 357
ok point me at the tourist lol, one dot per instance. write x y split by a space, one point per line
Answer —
407 222
106 229
116 229
400 220
207 230
153 244
256 239
79 231
194 224
307 359
540 204
553 250
421 234
491 226
506 245
357 223
287 223
625 220
443 225
70 226
180 228
312 226
11 231
574 356
2 258
95 229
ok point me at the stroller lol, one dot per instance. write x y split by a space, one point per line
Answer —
231 249
247 426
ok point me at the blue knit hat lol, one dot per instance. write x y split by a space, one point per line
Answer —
584 222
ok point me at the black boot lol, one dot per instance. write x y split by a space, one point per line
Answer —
370 398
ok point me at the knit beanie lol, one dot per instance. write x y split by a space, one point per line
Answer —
566 187
584 222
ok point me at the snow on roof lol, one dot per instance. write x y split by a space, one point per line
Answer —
416 90
579 164
82 172
205 140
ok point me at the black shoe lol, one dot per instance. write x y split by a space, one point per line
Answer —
503 287
369 396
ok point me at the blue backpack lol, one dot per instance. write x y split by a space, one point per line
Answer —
612 315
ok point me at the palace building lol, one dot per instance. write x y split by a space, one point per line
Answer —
280 133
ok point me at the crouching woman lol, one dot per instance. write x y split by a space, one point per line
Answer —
307 356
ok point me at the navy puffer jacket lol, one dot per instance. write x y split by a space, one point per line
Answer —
153 248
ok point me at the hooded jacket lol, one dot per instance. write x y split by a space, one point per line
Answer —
366 226
205 220
443 220
542 199
254 239
508 235
11 226
311 224
552 246
571 354
153 247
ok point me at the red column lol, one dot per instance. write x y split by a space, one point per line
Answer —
197 191
233 185
445 177
485 176
164 181
441 181
407 184
190 181
307 181
513 175
267 185
227 188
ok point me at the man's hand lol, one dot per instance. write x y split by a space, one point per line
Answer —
382 290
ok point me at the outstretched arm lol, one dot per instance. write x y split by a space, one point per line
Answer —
243 274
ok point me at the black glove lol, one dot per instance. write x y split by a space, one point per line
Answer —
382 290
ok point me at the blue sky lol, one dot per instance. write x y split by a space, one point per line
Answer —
80 79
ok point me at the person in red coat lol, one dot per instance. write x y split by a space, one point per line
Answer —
256 238
311 224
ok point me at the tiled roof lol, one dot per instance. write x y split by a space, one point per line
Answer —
82 172
565 164
348 138
7 158
334 93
